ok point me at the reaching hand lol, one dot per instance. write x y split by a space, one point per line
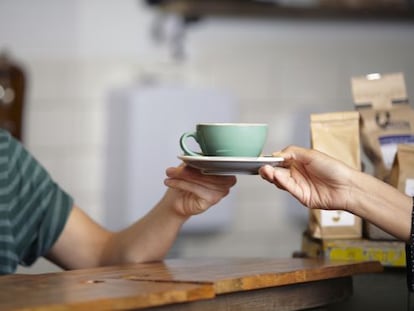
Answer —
192 193
314 178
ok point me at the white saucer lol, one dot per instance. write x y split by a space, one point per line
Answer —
229 165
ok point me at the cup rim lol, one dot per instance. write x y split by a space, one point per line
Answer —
233 124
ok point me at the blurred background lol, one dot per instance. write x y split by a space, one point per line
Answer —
111 85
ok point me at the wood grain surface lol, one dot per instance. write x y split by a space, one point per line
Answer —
238 274
175 281
60 292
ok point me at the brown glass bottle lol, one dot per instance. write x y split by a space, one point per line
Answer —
12 91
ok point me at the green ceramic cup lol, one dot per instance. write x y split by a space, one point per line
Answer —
227 139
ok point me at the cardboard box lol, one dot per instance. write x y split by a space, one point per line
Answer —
389 253
372 232
387 120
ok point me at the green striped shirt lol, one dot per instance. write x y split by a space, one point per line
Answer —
33 209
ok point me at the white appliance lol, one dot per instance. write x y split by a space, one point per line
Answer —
144 127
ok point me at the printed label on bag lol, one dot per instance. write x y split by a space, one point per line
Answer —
409 187
389 147
337 218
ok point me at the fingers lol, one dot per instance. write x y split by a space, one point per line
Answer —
208 188
266 172
289 153
275 175
195 176
198 192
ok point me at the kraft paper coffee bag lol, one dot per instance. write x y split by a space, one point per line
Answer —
402 178
387 119
336 134
402 172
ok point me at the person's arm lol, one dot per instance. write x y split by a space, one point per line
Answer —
382 205
83 243
320 181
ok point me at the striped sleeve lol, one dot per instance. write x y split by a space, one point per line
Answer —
33 208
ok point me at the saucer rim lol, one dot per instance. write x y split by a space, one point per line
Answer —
231 159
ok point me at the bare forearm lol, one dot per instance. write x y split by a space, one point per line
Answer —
149 239
381 204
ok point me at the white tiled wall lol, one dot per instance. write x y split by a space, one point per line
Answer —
279 70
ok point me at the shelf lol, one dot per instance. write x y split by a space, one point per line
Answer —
400 10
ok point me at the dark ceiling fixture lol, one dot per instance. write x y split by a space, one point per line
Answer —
175 16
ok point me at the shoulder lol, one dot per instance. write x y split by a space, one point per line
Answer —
7 145
5 137
12 152
7 142
4 133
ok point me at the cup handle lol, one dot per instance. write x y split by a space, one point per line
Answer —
184 147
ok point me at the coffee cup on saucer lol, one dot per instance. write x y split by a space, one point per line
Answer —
226 139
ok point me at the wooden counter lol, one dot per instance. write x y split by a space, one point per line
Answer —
188 284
